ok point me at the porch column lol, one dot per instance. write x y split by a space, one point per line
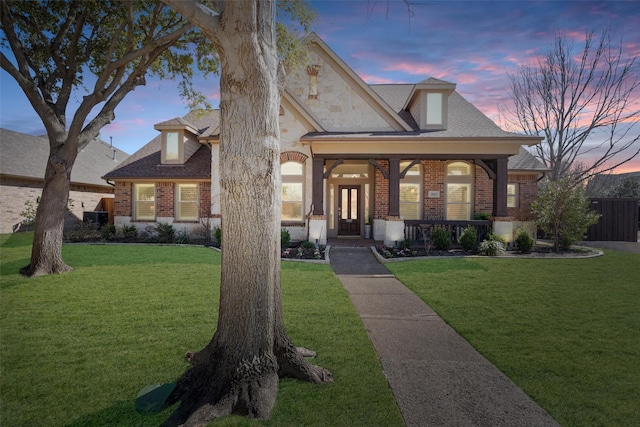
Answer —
394 187
318 181
500 189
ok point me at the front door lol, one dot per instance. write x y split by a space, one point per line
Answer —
349 210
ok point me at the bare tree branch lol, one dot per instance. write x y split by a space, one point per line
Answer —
583 105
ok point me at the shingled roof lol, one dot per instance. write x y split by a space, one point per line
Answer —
25 156
146 162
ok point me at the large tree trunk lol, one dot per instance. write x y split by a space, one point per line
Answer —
46 252
237 372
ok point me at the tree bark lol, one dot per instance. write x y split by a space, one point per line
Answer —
237 372
46 252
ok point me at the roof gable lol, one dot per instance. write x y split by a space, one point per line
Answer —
344 102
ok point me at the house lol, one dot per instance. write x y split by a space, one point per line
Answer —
351 154
22 165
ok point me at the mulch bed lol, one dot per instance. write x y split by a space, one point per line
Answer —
538 251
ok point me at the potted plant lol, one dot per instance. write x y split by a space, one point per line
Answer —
367 228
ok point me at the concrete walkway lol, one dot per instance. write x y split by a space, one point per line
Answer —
438 378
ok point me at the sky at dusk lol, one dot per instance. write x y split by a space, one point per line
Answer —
474 44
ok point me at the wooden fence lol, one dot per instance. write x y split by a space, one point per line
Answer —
619 220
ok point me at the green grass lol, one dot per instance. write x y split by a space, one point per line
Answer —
75 349
567 331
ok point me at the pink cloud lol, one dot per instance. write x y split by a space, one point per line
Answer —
420 69
372 79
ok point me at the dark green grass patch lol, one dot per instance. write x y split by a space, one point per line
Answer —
77 348
567 331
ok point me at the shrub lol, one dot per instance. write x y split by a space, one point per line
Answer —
305 244
84 232
562 211
129 232
492 237
524 241
108 232
404 244
469 238
481 216
217 234
285 238
165 232
441 238
491 248
183 238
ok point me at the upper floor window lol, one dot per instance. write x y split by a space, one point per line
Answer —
172 150
411 192
292 191
144 196
434 109
187 202
458 191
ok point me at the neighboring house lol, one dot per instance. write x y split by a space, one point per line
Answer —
23 159
351 153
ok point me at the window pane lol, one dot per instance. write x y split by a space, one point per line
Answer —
173 150
187 202
291 168
458 169
512 197
145 210
344 213
145 192
414 171
409 193
292 191
458 193
434 108
188 192
354 203
410 210
292 201
188 211
458 211
291 211
144 195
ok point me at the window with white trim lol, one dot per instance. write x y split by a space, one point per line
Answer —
144 196
171 147
411 192
292 191
512 195
458 191
187 202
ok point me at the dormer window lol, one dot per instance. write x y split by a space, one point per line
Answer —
428 103
172 147
434 109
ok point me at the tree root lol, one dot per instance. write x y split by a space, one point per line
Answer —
215 389
38 271
291 364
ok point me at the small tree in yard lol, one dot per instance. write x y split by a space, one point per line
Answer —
56 46
562 211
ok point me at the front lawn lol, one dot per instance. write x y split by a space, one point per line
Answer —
567 331
75 349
